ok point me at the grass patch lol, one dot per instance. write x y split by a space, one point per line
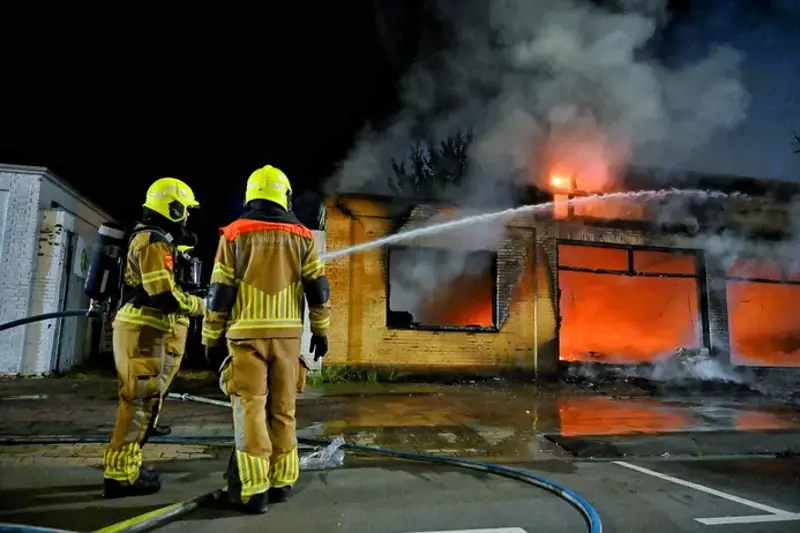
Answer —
346 374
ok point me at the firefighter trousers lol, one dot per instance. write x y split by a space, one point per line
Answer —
175 348
139 357
261 377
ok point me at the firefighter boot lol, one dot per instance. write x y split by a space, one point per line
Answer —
146 483
256 504
279 494
161 431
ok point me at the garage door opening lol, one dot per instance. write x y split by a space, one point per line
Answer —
625 305
763 306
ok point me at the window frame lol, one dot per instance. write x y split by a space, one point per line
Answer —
494 328
699 275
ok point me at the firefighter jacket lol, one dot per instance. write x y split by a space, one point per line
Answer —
151 295
180 260
266 263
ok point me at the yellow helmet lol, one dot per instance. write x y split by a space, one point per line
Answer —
269 183
170 197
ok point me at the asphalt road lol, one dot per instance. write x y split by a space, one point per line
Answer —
663 496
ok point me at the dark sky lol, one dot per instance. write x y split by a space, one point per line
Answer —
112 106
111 101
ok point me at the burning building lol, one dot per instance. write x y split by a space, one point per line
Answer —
606 280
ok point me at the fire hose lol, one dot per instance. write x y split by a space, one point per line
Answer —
165 514
46 316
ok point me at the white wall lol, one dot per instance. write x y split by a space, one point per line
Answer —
46 218
17 255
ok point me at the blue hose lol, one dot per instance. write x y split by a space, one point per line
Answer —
579 502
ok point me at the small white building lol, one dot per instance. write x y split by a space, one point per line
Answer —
46 232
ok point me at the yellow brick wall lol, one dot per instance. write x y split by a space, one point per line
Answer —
359 335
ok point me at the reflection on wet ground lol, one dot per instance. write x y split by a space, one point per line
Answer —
495 419
510 423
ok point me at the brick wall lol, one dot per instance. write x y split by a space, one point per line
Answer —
358 294
17 257
527 296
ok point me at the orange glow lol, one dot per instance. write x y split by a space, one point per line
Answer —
753 268
757 420
583 157
560 182
649 262
561 207
762 320
466 301
613 318
575 256
584 416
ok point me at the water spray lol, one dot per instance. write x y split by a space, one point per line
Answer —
514 211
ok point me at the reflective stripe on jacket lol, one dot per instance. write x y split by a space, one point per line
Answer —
149 266
257 282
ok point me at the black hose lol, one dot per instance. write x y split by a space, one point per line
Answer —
46 316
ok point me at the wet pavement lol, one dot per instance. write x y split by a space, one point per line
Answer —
549 430
497 421
400 497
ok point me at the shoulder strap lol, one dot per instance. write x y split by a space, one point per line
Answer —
159 234
156 235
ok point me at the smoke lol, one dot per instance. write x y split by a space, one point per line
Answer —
518 73
431 264
549 86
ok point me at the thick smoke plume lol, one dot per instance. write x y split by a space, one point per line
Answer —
547 86
519 73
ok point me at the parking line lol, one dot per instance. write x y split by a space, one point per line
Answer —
703 488
490 530
752 519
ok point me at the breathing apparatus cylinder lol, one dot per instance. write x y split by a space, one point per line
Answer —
190 273
102 277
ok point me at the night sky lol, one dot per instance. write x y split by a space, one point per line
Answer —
111 108
112 101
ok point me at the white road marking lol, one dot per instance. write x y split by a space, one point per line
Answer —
775 514
491 530
752 519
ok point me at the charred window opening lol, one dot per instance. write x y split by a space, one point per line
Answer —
621 304
763 304
442 289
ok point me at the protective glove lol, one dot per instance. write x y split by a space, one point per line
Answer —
215 355
319 346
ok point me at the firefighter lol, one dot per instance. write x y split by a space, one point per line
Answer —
266 264
175 342
150 298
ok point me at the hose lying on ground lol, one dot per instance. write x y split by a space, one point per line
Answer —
160 516
46 316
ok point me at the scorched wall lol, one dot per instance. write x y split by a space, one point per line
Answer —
359 333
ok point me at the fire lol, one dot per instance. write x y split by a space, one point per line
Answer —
605 317
560 182
581 158
466 301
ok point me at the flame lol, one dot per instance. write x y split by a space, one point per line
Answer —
583 158
560 182
755 341
466 301
605 317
